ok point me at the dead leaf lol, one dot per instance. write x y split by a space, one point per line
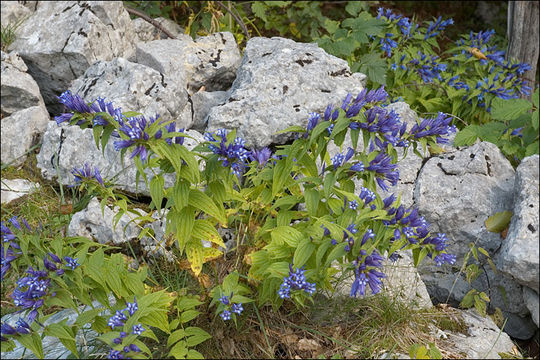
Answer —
204 280
504 233
308 345
289 339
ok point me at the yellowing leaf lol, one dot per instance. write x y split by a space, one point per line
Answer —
195 255
499 221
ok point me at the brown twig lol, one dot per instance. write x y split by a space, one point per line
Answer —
150 20
238 20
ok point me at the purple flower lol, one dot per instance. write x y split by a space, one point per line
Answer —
132 307
86 173
224 299
74 102
366 273
261 156
337 160
237 308
295 281
435 27
138 329
233 154
357 167
313 120
225 315
444 258
72 263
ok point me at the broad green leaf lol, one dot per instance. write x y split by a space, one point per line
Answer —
312 197
179 350
499 221
156 190
509 109
197 335
303 252
200 200
194 354
33 343
204 230
180 194
467 136
188 315
288 234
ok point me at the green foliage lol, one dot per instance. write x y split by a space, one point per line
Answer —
514 128
417 351
499 221
8 33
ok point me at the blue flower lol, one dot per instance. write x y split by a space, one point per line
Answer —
233 154
225 315
388 44
72 263
138 329
261 156
295 281
366 273
224 299
435 27
353 205
444 258
337 160
132 307
86 173
237 308
313 120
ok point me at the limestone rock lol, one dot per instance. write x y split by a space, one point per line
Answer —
61 40
210 61
15 188
278 84
94 224
135 87
531 300
484 340
20 131
14 12
203 101
519 254
147 32
457 191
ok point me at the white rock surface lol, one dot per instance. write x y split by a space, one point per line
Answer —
519 255
531 301
15 188
148 32
135 87
61 39
278 84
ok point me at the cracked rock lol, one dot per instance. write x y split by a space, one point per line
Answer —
61 39
278 84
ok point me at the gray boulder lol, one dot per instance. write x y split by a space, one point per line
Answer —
20 131
519 254
147 32
278 84
15 188
94 224
61 146
210 61
19 90
24 116
484 340
531 300
14 12
61 40
135 87
457 191
203 101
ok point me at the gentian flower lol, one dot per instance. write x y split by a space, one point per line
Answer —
365 273
295 281
261 156
86 173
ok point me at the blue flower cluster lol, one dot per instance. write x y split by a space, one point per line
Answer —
75 103
438 126
403 23
368 196
416 230
230 308
261 156
340 159
86 173
384 170
31 291
136 130
427 67
387 44
118 320
233 154
295 281
9 246
434 28
365 273
21 327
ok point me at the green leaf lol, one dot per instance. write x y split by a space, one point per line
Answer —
480 305
198 335
175 337
509 109
337 252
354 7
468 299
194 354
303 252
467 136
33 343
200 200
419 255
499 221
188 315
180 194
363 25
532 149
156 190
288 234
204 230
534 120
329 181
312 200
179 350
374 67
